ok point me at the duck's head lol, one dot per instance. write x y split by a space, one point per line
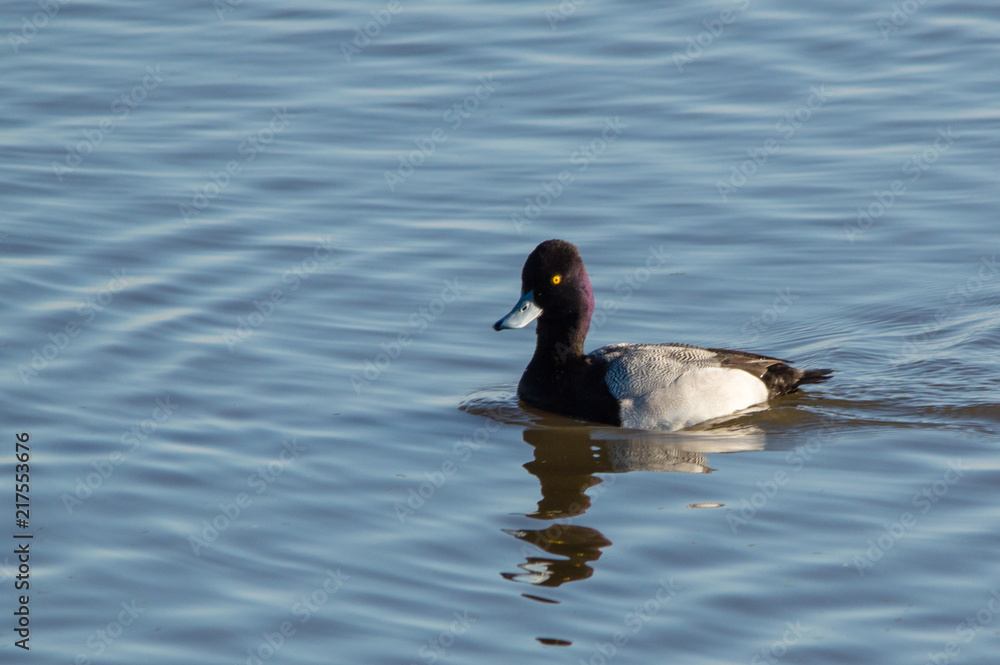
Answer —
555 289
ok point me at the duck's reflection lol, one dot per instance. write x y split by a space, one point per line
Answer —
578 544
567 457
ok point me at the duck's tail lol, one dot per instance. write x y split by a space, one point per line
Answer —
814 376
782 379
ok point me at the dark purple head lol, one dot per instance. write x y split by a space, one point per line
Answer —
556 290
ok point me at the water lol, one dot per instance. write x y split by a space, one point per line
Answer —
250 268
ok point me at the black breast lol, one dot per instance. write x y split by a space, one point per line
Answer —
574 387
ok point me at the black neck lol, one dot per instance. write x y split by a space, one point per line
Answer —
559 341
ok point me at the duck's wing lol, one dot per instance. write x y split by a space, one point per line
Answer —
635 369
677 385
778 375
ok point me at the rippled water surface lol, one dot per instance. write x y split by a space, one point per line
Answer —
251 256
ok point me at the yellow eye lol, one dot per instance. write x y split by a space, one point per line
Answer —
556 279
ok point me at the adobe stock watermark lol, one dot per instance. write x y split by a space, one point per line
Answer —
417 323
581 159
769 316
796 460
461 453
121 108
265 307
967 630
101 640
772 654
60 340
454 117
714 28
786 127
627 286
892 533
900 15
253 144
439 646
302 610
223 7
960 296
259 481
634 622
562 12
912 168
31 26
131 439
365 34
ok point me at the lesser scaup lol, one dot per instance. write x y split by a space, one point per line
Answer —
641 386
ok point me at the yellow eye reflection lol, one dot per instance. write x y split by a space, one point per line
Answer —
556 279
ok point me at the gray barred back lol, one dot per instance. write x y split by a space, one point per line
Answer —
635 370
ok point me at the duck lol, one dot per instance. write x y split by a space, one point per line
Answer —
636 386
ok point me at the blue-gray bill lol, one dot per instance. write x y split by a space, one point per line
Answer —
524 312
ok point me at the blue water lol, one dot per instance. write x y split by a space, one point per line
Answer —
251 256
